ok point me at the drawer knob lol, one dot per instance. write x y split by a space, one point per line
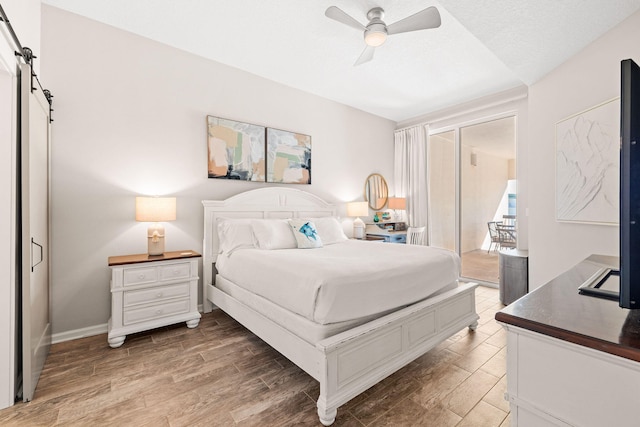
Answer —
141 276
158 311
176 272
159 295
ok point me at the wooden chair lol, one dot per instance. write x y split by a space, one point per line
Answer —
415 235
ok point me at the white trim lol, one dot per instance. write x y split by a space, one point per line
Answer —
471 107
8 249
90 331
475 121
79 333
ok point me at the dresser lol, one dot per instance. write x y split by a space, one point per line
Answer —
572 360
152 291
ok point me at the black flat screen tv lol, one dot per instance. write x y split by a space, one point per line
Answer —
630 185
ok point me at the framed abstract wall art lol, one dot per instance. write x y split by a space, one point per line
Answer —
236 150
588 165
288 157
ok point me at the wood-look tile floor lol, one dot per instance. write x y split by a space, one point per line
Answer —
481 265
220 374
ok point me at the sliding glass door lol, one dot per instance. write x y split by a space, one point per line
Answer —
442 190
472 193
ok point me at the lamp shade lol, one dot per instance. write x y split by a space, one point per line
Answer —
357 209
397 203
155 209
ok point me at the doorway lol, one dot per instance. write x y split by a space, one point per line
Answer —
8 357
473 194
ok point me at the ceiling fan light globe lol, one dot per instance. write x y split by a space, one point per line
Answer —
374 38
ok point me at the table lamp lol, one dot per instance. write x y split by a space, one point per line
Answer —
397 203
155 210
358 209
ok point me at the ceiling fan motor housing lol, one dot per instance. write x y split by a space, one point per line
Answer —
377 13
376 32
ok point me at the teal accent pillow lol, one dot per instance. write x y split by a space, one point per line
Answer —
305 233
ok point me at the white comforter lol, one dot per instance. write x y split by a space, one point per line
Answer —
342 281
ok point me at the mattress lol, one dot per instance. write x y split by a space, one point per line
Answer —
344 281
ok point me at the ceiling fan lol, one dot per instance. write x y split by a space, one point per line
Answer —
376 31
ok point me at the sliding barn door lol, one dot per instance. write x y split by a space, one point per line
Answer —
36 323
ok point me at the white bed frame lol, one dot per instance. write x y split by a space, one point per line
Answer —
350 362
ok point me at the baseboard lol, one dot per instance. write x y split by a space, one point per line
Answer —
85 332
79 333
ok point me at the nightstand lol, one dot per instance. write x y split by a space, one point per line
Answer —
152 291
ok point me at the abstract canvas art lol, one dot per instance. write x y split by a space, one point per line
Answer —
288 157
236 150
588 165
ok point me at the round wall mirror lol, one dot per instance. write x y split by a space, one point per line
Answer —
376 191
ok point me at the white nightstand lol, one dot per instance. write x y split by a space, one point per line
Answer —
152 291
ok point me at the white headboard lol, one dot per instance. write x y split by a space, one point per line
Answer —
267 202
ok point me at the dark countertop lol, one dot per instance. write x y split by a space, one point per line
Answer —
558 310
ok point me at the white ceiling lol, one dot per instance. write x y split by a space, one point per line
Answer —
482 46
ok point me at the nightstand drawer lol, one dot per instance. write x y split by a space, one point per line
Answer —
137 276
175 271
155 294
155 311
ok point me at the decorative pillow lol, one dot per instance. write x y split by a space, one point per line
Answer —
234 234
329 229
273 234
305 233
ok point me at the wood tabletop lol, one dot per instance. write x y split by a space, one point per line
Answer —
558 310
140 258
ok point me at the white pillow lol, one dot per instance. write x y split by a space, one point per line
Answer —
234 234
273 234
305 233
329 229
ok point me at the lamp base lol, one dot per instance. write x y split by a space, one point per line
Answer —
155 240
358 228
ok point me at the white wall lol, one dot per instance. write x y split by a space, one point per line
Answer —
589 78
483 188
130 120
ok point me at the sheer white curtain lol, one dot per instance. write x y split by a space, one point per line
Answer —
410 173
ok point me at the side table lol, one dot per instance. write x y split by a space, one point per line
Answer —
152 291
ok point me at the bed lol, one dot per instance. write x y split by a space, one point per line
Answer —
347 337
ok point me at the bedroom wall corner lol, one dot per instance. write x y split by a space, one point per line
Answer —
130 119
589 78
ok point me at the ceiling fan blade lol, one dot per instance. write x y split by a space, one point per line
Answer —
423 20
366 55
340 16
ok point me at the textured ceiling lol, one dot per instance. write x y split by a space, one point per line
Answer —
482 46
